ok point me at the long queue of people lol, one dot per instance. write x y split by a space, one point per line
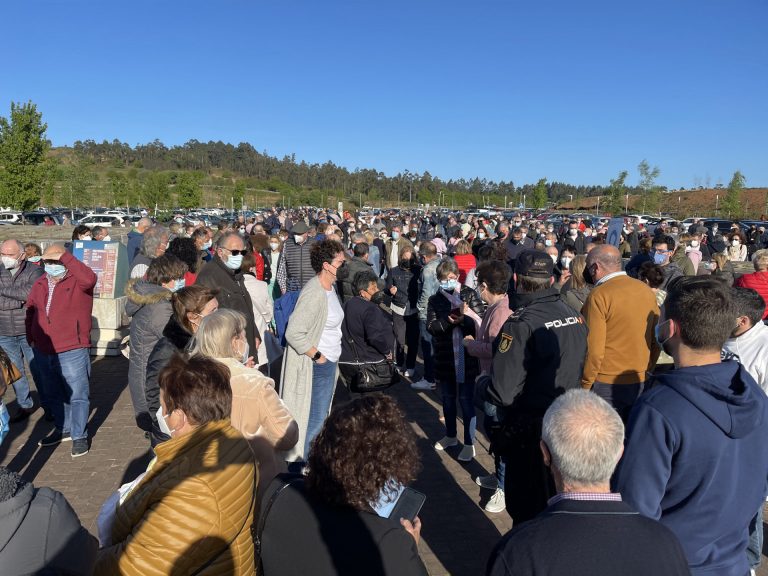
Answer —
240 334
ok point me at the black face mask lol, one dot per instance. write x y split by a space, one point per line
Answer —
587 276
405 264
378 298
342 272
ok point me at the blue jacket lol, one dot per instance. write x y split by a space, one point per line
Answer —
696 458
134 244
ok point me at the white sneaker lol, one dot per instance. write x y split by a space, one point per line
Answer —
445 442
489 482
410 373
496 504
467 453
422 385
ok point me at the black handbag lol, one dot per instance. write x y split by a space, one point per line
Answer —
364 377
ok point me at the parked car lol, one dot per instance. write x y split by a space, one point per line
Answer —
38 218
102 220
10 218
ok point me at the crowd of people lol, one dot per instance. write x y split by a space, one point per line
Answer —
622 388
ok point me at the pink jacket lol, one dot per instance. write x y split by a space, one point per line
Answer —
482 347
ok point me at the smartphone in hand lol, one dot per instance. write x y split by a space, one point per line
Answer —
408 505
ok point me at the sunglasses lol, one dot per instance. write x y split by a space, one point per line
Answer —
236 252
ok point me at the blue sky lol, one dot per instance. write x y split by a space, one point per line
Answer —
506 90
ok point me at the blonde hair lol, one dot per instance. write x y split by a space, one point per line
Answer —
463 247
214 336
760 260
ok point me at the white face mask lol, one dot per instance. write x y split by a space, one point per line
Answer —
9 263
244 357
298 238
565 262
735 242
573 233
694 243
274 245
106 238
162 423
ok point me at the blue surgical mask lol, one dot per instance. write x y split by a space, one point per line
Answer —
207 245
34 259
449 285
55 270
395 235
659 258
178 285
5 422
234 262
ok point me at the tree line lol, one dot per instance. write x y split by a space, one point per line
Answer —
216 173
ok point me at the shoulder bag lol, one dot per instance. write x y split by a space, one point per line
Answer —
368 376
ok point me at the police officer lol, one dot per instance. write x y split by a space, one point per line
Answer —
538 355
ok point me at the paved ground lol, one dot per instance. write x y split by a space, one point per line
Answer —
457 534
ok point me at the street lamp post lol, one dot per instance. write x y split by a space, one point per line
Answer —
717 204
626 204
597 209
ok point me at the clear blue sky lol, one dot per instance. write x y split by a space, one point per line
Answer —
506 90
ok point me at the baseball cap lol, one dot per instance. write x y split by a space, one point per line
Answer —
534 264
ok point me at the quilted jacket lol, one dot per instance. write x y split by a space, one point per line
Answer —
195 503
14 291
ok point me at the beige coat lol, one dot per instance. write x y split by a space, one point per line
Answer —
303 332
261 417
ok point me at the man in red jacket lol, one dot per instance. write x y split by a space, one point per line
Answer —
59 330
758 280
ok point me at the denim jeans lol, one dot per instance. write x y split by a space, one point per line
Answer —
67 378
465 393
755 546
492 419
17 349
426 352
323 387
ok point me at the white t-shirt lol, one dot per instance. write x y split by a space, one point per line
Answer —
330 339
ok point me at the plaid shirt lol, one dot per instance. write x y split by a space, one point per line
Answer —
51 286
600 496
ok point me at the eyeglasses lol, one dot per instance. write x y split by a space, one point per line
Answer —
235 252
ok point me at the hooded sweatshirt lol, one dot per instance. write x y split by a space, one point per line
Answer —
751 351
696 459
39 531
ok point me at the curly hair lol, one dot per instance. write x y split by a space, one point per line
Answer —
185 250
322 252
364 450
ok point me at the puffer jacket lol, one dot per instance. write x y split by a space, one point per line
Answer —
149 306
175 339
67 324
197 498
438 310
39 531
261 417
14 291
406 280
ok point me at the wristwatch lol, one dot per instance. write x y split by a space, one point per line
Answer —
317 355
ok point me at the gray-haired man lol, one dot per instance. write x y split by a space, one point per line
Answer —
586 529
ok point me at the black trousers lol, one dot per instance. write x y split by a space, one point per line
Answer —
407 336
528 483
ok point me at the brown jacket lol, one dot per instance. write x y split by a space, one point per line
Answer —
196 498
621 315
261 417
